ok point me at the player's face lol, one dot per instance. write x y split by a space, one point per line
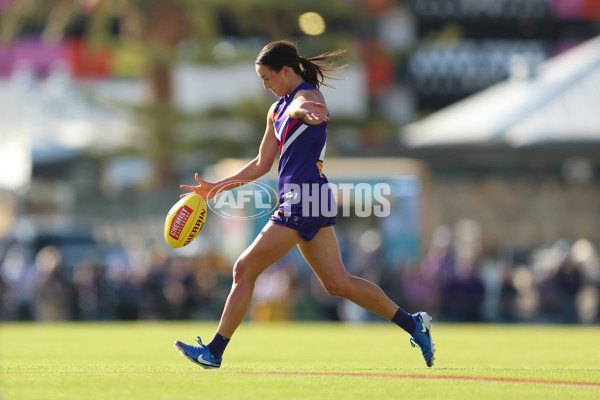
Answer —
273 80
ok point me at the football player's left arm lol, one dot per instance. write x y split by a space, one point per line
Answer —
309 106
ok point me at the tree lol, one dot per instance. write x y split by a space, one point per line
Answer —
157 27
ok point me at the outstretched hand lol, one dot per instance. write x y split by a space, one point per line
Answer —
204 189
313 111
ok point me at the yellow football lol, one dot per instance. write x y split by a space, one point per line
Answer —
185 220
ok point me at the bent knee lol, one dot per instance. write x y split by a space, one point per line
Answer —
338 288
244 271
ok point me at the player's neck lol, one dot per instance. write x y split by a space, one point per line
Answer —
294 83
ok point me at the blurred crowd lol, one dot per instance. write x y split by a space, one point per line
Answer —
118 286
554 283
558 283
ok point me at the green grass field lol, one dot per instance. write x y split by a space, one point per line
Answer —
298 361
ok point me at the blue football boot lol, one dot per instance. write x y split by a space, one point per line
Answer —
198 354
422 337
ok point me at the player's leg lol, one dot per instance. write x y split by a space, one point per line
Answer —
323 255
272 243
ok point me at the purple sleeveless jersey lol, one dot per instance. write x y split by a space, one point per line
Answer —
301 152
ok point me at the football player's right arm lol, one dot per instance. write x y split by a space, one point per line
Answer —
254 169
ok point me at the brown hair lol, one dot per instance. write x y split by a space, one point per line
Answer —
314 70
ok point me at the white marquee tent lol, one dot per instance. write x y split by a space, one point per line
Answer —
46 120
559 103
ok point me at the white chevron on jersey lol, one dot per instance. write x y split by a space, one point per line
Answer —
291 140
280 132
322 155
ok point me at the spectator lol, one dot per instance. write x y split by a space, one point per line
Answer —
54 293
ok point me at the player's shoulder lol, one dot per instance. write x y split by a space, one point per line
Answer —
275 107
311 94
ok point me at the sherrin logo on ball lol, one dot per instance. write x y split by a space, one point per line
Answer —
185 220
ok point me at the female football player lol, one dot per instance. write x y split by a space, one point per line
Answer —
296 130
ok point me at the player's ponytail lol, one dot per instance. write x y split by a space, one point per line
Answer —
314 70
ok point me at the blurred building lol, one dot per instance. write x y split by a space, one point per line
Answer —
465 46
522 157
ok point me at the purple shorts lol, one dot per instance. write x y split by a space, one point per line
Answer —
307 227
